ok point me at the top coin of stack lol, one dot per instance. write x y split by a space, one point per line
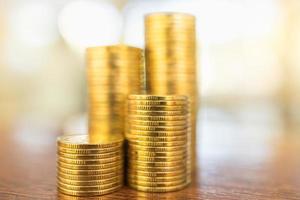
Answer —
86 169
158 143
113 72
171 58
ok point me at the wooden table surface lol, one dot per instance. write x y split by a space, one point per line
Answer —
243 153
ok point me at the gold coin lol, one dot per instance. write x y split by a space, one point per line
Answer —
156 159
156 154
174 73
156 184
156 149
159 31
162 30
164 27
89 188
116 173
90 182
157 108
156 174
158 139
181 44
158 113
157 97
157 164
158 118
164 17
82 142
156 179
90 156
89 151
156 103
89 167
96 171
172 55
171 80
90 162
186 36
159 123
175 66
180 47
176 169
158 144
89 193
157 189
157 128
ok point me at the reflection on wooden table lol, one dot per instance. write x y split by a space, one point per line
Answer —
243 153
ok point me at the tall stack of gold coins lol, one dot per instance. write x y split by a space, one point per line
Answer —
158 143
113 72
171 59
85 169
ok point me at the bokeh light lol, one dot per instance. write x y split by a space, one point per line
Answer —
86 23
33 24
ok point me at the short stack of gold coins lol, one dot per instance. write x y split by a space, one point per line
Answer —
113 72
171 67
158 140
88 169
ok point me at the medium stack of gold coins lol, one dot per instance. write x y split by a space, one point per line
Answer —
158 143
113 72
171 59
85 169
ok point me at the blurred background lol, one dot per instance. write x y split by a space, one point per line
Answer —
248 53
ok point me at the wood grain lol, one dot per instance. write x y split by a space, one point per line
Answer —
238 158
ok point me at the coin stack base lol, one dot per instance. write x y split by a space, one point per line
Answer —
85 169
158 143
